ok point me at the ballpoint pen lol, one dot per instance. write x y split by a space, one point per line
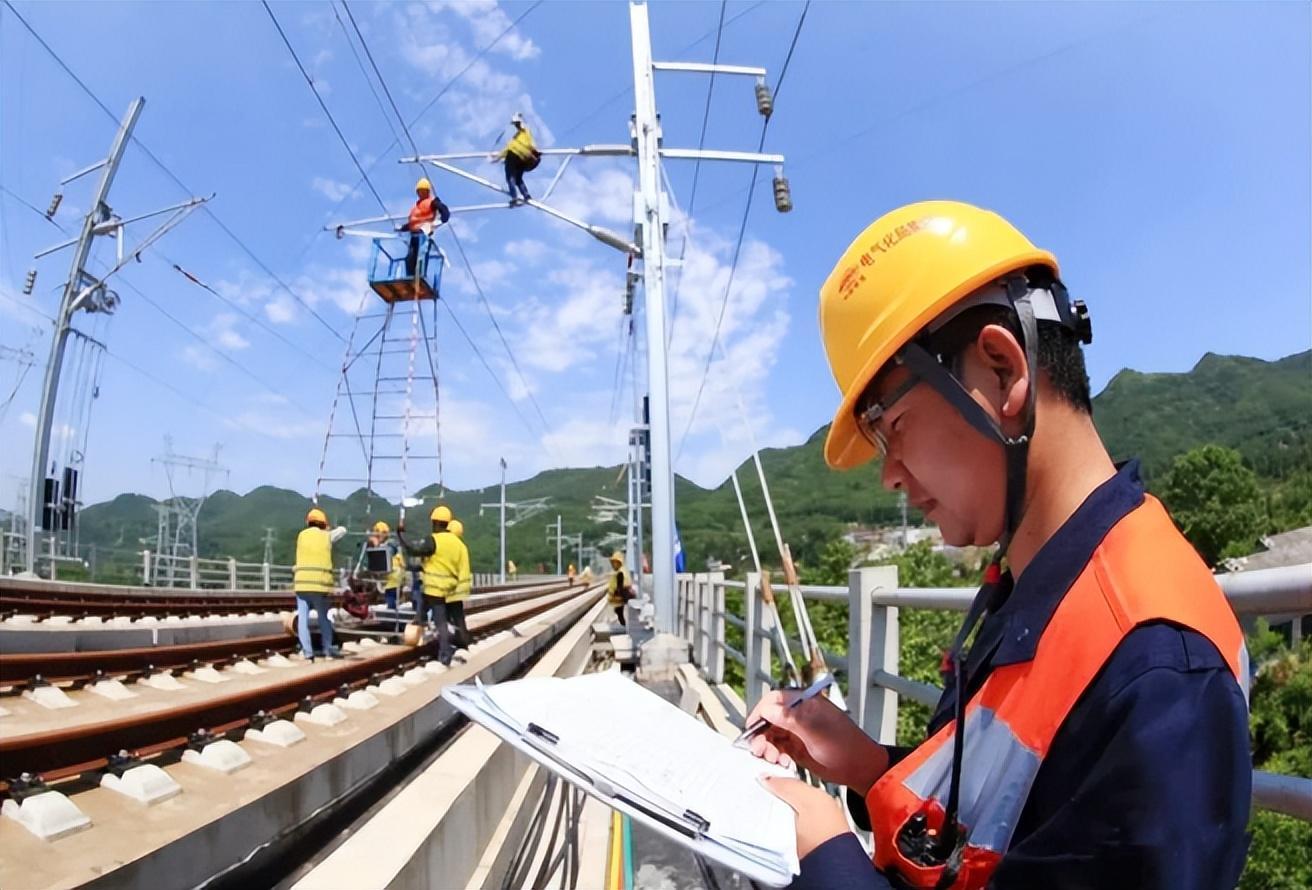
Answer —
761 723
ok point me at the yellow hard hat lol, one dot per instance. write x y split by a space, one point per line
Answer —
382 528
316 515
441 513
456 527
901 273
423 185
617 557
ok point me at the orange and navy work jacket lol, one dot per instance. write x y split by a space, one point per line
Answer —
1142 572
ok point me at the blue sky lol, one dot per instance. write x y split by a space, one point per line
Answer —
1160 150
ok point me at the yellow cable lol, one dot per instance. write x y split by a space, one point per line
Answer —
615 873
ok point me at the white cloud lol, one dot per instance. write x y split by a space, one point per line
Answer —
224 332
27 419
589 442
199 357
281 309
488 20
331 189
604 194
529 250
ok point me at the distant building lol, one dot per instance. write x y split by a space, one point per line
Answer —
1291 548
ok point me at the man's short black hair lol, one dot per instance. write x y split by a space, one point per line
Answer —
1060 357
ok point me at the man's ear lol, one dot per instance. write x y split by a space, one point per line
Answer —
1003 358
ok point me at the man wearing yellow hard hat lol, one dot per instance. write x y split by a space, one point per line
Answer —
428 207
382 535
445 561
313 581
619 589
1094 728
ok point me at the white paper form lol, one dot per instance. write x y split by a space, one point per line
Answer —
632 737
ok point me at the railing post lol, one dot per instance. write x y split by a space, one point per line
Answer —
680 601
756 645
872 644
698 631
193 563
704 606
232 573
268 581
145 568
715 589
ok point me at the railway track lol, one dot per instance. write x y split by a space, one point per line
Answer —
74 750
45 599
76 669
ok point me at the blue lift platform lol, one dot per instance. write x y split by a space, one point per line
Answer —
387 271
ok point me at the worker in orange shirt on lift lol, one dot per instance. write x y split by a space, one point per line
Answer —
428 207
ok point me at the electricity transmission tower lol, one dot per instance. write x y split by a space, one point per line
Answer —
178 517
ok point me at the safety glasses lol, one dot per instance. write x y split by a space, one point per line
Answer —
869 412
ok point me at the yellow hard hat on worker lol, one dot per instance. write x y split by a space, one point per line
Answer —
316 516
441 513
423 185
382 528
456 527
904 271
617 557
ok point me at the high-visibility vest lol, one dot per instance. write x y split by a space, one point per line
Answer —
314 562
465 584
425 210
521 145
442 567
396 577
615 593
1143 571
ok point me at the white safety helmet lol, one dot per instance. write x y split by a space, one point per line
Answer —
517 118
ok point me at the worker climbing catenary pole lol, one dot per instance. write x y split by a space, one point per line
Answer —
519 155
1095 733
313 581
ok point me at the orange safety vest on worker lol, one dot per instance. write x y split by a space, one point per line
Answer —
442 569
424 211
1143 571
314 561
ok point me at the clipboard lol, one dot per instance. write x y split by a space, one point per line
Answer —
685 827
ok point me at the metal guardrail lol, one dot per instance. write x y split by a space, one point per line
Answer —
873 599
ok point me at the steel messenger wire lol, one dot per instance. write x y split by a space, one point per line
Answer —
454 234
742 231
154 159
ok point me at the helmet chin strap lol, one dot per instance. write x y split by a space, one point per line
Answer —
919 361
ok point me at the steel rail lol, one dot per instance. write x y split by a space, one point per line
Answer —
73 750
22 668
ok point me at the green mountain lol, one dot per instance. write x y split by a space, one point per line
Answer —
1262 409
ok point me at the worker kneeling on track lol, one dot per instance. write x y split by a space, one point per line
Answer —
313 581
445 560
1095 734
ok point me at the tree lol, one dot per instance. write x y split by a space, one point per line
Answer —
834 564
1216 502
1280 857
